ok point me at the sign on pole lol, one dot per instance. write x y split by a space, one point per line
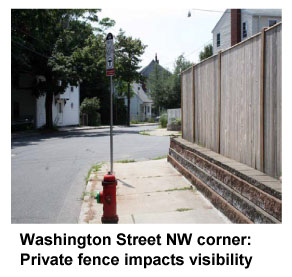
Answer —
110 70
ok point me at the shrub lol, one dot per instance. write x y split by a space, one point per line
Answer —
163 121
134 121
90 106
174 125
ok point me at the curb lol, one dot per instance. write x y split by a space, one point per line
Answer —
89 212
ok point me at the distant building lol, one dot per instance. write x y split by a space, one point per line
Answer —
66 108
27 109
236 25
140 105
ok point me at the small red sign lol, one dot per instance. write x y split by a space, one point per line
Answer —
110 72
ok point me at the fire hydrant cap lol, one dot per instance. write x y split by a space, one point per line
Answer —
109 178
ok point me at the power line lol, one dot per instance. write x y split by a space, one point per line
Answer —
199 48
194 51
203 10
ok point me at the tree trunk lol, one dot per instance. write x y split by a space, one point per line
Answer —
129 110
49 110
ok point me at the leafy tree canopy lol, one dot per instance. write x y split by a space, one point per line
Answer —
128 53
207 52
165 87
89 105
59 44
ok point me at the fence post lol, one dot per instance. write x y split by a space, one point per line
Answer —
219 102
181 105
193 102
262 98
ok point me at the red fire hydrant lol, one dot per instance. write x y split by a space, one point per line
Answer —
108 198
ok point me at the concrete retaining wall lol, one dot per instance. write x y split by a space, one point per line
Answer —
242 193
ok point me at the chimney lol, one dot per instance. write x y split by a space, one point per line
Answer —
157 61
235 26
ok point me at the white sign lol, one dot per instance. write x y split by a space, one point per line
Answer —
110 70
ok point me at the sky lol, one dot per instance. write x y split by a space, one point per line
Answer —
167 32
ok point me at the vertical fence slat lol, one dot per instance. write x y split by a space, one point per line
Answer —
273 102
219 102
193 103
182 105
262 96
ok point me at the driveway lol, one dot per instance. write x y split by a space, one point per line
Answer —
48 171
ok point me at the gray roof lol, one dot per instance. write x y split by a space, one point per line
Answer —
143 96
263 12
150 67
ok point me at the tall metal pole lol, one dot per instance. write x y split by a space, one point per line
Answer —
111 125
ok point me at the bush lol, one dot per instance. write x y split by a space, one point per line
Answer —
174 125
22 127
134 121
90 106
163 121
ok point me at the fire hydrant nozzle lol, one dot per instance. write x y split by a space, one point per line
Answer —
99 197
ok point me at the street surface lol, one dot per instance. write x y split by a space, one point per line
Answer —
48 171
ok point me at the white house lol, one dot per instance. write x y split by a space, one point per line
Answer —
66 108
140 104
236 25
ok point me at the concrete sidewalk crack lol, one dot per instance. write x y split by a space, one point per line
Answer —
133 218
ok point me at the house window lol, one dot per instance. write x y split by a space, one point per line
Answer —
244 30
72 89
218 40
71 105
60 107
138 88
148 109
272 22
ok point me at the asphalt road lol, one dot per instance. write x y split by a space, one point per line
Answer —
48 171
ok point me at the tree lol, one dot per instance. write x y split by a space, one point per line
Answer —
59 45
159 87
90 106
174 97
128 52
207 52
165 87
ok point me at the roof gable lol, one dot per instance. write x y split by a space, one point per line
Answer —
221 18
253 12
146 71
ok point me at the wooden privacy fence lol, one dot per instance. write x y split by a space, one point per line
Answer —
231 102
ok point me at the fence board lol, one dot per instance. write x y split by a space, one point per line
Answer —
273 100
187 111
206 104
240 96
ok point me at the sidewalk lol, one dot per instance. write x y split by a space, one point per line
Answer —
150 192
